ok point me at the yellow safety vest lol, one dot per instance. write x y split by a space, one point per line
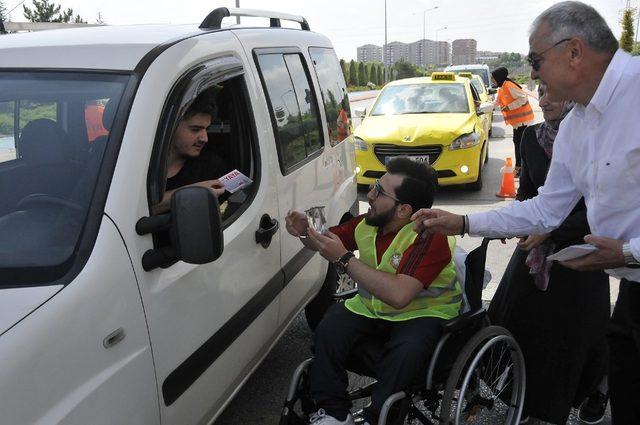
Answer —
441 299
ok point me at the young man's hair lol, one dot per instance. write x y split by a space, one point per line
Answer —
203 104
419 184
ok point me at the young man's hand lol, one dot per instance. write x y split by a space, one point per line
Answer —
296 223
329 245
214 186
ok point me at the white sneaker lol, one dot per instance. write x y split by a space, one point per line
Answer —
321 418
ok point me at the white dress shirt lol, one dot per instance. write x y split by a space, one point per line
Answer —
596 154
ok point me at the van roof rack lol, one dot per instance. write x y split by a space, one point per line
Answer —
214 19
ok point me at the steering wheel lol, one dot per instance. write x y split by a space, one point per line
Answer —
36 200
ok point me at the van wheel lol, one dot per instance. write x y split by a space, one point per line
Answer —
334 283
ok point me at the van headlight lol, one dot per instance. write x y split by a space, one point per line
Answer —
360 144
465 141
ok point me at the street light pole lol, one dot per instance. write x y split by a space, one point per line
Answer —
424 36
238 7
384 49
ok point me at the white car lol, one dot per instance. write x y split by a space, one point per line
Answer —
111 315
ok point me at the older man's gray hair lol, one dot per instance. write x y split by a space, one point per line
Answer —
570 19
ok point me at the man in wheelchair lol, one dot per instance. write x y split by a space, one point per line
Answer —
407 287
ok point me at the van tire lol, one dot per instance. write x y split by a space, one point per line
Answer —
315 310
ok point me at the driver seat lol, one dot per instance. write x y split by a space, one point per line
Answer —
43 148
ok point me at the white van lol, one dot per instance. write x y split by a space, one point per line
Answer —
109 315
481 70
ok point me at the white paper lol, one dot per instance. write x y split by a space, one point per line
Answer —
234 180
573 251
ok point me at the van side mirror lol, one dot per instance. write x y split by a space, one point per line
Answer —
492 90
196 230
194 224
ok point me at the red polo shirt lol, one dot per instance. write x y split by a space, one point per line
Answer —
424 259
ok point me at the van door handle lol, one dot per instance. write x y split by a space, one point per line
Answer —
268 227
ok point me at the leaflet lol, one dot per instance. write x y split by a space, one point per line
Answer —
234 181
572 252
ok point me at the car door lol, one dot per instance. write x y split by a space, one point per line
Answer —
210 324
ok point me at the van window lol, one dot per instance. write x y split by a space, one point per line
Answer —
293 107
211 137
334 93
48 169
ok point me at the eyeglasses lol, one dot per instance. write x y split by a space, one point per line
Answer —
534 59
378 190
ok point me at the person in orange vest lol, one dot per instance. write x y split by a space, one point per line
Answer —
515 107
343 122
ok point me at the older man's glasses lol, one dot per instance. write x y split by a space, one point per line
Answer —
534 59
378 190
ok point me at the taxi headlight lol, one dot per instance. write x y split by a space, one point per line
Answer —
465 141
360 144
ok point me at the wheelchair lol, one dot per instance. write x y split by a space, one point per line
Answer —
476 374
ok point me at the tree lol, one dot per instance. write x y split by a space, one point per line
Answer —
405 69
374 74
626 39
45 11
362 74
353 73
99 19
345 70
3 12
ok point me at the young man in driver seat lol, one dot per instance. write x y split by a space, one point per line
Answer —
406 288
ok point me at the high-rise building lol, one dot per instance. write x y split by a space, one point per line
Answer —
395 52
464 51
369 53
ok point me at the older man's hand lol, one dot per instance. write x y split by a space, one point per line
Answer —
608 256
437 221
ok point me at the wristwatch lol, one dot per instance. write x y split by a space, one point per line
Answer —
342 262
629 260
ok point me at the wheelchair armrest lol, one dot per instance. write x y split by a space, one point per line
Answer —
464 320
344 295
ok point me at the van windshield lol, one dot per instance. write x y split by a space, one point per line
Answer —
422 99
54 128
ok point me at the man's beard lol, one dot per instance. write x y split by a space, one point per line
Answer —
379 220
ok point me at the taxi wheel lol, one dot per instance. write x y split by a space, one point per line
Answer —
476 186
486 151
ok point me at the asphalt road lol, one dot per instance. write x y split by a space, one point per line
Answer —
261 398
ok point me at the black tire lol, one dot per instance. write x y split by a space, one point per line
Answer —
474 375
486 151
334 283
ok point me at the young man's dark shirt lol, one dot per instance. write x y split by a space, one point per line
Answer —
207 166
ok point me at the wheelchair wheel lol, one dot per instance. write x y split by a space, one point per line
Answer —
487 381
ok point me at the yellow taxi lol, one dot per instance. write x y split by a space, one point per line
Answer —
437 119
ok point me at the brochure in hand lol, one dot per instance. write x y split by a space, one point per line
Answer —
234 181
572 252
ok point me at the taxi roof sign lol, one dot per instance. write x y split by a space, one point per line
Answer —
466 74
443 76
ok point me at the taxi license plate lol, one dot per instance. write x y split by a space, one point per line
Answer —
416 158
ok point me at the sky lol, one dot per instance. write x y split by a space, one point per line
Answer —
497 25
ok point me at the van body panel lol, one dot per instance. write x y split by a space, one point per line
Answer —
16 303
194 311
60 372
327 181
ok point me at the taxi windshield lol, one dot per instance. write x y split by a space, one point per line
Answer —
54 128
422 99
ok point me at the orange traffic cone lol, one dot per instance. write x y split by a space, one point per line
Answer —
507 188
